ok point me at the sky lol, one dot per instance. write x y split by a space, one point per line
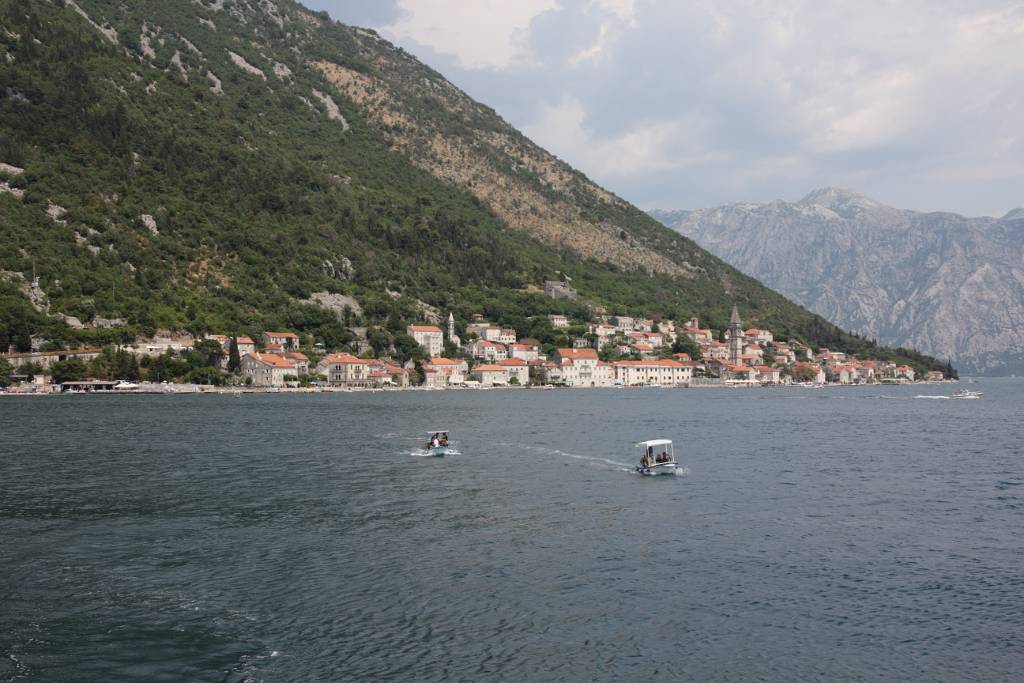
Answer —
679 104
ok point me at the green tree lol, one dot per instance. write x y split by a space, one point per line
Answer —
206 375
31 369
408 348
23 342
208 352
803 373
417 377
6 370
166 368
234 359
684 344
68 370
126 366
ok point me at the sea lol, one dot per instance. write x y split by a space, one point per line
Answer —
868 533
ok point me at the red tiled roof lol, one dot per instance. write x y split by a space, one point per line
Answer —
661 363
343 359
245 340
272 360
578 353
295 355
286 335
512 361
425 328
443 361
488 368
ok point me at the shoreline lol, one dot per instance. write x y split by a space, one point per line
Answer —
198 389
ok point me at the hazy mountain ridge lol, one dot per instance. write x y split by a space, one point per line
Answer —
945 284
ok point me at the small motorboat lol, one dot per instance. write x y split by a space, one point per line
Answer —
966 393
438 443
657 457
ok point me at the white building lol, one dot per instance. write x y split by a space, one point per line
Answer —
558 321
622 322
660 371
490 374
429 337
452 371
344 369
487 350
582 368
516 367
267 369
524 351
283 339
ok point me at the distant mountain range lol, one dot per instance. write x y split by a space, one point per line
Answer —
944 284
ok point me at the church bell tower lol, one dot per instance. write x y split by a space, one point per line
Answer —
735 337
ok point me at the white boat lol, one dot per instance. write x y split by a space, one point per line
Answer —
966 393
437 443
656 457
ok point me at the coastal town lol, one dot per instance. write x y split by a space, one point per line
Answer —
614 351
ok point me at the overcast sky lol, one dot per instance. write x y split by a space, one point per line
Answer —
675 104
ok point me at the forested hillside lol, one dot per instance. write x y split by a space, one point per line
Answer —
217 166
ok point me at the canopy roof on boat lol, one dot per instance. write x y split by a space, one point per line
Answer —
437 431
654 442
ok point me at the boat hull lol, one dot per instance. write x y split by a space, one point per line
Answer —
659 469
439 451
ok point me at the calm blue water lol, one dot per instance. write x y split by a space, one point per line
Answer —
853 534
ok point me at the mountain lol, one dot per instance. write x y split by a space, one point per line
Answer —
237 165
947 285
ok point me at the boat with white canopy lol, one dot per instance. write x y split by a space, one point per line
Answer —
966 393
437 445
656 457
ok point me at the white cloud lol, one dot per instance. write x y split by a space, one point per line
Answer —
480 34
646 147
746 99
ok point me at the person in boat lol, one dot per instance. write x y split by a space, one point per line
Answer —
444 439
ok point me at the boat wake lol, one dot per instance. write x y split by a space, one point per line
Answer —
932 396
598 461
420 453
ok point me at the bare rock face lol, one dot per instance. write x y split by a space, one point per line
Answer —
941 283
336 303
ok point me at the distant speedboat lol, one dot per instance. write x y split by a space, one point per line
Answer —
657 457
966 393
438 446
